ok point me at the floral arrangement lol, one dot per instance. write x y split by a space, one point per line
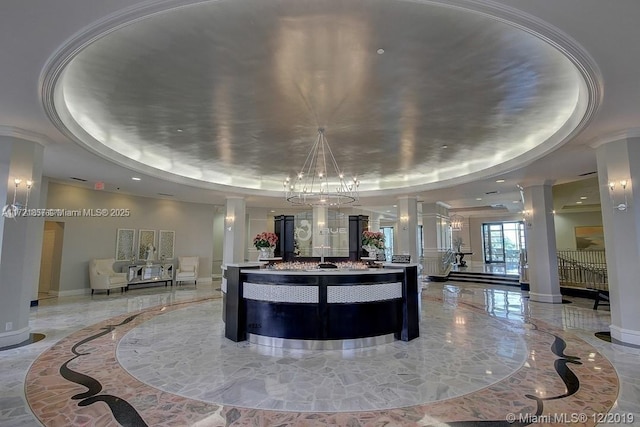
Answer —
265 239
373 239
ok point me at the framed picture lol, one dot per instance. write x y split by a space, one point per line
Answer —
166 242
589 238
147 245
125 248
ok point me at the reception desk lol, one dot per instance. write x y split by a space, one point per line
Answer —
321 308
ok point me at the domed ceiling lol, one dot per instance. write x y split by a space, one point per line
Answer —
230 94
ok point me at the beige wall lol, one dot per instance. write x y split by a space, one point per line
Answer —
566 224
88 237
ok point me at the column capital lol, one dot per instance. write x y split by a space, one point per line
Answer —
614 137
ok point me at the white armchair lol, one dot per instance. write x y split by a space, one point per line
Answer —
102 275
187 269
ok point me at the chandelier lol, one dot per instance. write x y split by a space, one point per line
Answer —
316 184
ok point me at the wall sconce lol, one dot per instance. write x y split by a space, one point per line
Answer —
13 210
456 222
621 204
527 217
404 221
228 222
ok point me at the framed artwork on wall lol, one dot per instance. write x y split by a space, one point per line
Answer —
166 243
589 238
125 248
147 245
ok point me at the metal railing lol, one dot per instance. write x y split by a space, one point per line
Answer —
585 269
438 264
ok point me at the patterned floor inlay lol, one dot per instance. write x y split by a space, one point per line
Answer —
541 370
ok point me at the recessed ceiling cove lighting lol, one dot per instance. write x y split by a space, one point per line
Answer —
380 51
135 178
499 180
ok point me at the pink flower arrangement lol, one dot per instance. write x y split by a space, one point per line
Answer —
265 239
373 238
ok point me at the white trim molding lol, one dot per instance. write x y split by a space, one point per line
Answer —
628 336
550 298
14 337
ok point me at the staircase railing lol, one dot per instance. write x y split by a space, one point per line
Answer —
587 269
438 263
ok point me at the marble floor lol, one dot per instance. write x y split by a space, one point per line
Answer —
157 357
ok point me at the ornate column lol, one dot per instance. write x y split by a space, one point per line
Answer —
619 161
541 244
20 237
234 231
407 228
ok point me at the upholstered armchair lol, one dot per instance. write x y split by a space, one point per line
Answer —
102 275
187 269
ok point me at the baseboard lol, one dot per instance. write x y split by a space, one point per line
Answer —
71 292
14 337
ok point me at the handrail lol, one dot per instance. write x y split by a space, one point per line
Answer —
438 263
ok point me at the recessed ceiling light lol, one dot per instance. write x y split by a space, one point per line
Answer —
380 51
178 130
583 198
135 178
388 211
516 201
395 206
578 203
478 198
445 146
272 211
499 180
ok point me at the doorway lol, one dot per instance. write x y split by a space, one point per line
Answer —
51 260
503 242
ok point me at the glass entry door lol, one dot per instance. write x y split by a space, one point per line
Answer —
503 241
493 243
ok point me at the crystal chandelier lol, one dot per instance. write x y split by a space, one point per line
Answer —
316 185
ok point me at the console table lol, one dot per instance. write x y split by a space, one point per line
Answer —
143 275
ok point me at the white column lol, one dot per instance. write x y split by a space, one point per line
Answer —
540 232
407 229
235 237
320 225
617 161
20 238
433 215
374 221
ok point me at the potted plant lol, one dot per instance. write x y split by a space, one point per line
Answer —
372 241
265 242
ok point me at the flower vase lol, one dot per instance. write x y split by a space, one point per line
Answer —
265 253
371 250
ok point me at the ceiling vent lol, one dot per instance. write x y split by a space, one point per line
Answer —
77 179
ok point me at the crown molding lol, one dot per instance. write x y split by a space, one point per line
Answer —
24 134
615 136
